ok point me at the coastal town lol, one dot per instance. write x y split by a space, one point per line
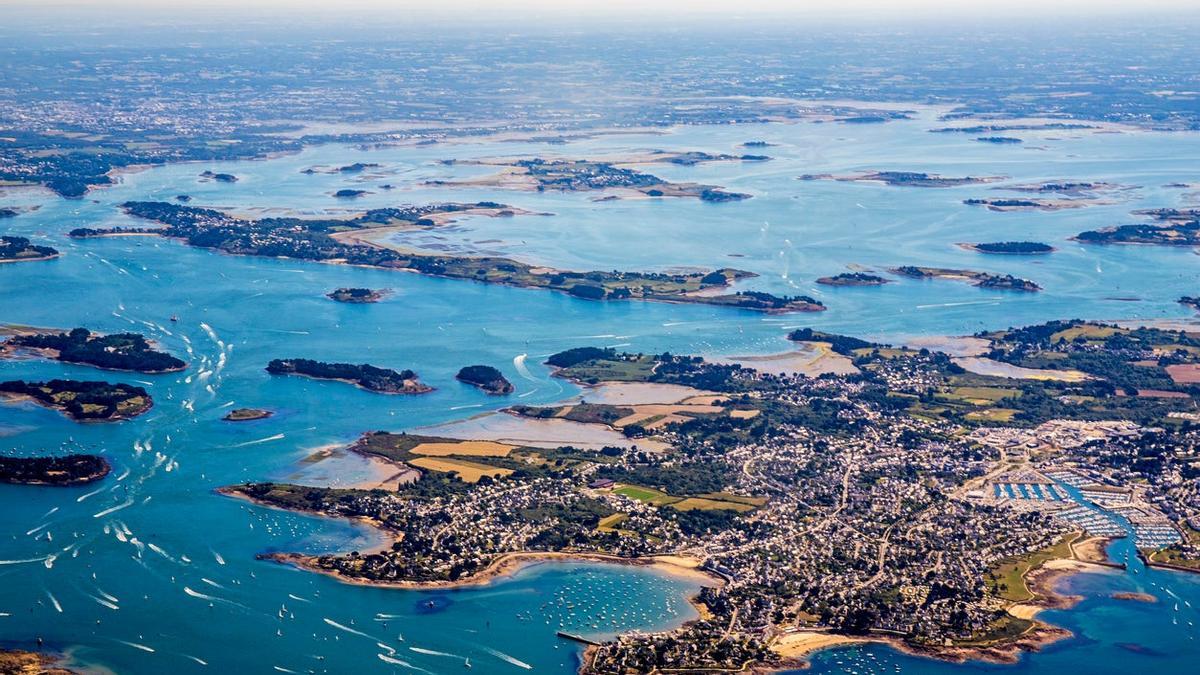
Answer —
826 509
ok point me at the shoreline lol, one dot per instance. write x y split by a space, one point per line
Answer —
506 565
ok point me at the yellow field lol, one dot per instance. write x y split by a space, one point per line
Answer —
737 499
466 449
743 414
467 471
609 523
993 414
1087 332
699 503
643 412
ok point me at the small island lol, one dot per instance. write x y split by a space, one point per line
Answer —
979 279
83 401
247 415
905 179
355 295
119 351
486 378
1000 140
1176 227
19 249
757 144
1021 204
1135 597
371 378
347 193
8 213
853 279
578 175
56 471
220 177
1190 301
1010 247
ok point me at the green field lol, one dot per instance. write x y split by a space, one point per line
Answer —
1007 580
647 495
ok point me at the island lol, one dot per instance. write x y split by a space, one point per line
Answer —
59 471
905 179
19 249
1069 188
371 378
992 128
757 144
1022 204
853 279
8 213
356 295
980 279
486 378
83 401
362 240
1010 247
1173 227
348 193
247 415
183 198
117 351
576 175
219 177
1000 140
779 494
1190 301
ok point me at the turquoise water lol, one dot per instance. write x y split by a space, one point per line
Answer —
238 313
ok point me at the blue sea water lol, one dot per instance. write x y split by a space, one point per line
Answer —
177 560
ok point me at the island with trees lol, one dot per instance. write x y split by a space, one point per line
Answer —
356 295
1172 227
65 470
1007 204
219 177
905 179
371 378
486 378
853 279
247 415
116 351
1010 247
83 401
1006 282
577 175
1190 301
1000 140
355 241
350 193
19 249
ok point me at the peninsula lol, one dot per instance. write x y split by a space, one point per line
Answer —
486 378
355 241
117 351
371 378
1005 282
19 249
57 471
82 401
